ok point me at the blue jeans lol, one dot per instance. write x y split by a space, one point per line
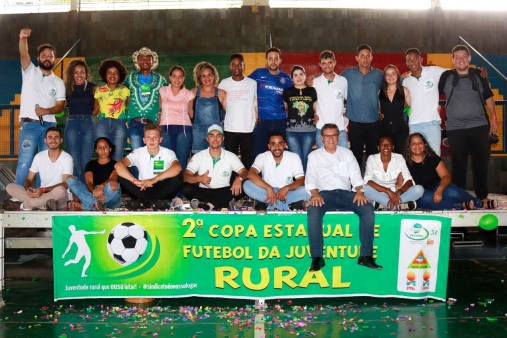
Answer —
343 139
431 131
340 200
80 190
260 194
263 131
178 138
301 143
31 137
452 197
79 136
136 134
412 194
116 131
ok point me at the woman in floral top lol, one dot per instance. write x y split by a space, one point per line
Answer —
301 104
110 104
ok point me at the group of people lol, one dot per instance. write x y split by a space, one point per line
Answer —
269 109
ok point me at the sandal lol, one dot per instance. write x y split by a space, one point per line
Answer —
468 205
74 206
489 204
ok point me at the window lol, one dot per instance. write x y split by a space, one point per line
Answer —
381 4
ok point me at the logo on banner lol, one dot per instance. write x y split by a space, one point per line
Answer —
420 261
127 242
417 232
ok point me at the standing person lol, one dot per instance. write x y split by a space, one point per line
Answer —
159 173
332 170
468 125
422 82
110 103
209 173
239 120
101 189
271 82
393 98
331 94
281 186
144 85
301 103
381 175
362 104
207 106
175 101
79 129
428 170
42 96
54 166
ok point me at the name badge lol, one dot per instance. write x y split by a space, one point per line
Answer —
158 166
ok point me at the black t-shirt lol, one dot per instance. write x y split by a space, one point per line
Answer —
101 172
425 174
300 104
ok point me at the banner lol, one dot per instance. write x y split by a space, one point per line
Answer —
250 256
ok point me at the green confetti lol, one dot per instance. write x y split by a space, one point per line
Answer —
489 319
461 216
23 218
422 311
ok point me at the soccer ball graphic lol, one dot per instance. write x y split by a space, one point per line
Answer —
127 242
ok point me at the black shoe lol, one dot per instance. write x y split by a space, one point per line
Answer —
11 205
52 205
317 264
369 262
232 205
100 206
378 206
161 205
299 205
260 206
133 205
408 206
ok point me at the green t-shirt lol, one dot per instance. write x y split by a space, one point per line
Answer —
144 97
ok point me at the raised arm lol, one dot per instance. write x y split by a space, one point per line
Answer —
24 34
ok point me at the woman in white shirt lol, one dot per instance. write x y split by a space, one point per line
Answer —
380 177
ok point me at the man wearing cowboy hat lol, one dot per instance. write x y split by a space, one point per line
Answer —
144 85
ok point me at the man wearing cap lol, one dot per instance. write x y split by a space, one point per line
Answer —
42 96
144 85
283 180
159 173
212 168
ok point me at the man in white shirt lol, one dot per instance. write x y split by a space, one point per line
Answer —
282 182
42 96
54 166
208 174
331 172
331 93
159 173
239 120
381 175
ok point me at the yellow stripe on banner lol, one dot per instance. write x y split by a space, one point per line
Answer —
254 61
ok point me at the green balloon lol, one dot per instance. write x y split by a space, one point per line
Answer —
60 114
488 222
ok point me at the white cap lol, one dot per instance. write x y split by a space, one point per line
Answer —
215 127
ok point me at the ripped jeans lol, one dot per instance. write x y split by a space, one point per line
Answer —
31 137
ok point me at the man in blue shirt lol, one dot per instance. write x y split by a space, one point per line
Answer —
362 104
271 82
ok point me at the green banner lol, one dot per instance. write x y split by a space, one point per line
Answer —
252 256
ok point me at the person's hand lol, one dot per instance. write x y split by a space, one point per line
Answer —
437 196
381 116
360 199
236 186
271 196
316 200
315 118
494 126
394 199
25 33
98 192
309 80
281 194
406 74
205 179
484 72
41 111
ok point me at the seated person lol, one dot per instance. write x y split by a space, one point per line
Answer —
380 177
101 189
159 173
332 171
428 170
212 168
277 186
54 166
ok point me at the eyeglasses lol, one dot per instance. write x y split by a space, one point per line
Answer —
328 136
463 57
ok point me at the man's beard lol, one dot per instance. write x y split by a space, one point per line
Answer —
43 65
